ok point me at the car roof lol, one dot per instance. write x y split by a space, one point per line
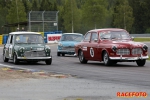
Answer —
24 32
73 33
107 29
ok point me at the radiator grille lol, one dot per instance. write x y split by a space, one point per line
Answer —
137 51
34 54
123 52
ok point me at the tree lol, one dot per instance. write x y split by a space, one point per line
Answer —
123 15
71 16
27 5
94 13
141 14
45 5
35 5
16 12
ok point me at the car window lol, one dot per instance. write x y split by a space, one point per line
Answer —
119 35
94 36
87 37
10 39
71 37
29 38
105 35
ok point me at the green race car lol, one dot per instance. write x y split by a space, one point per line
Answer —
26 46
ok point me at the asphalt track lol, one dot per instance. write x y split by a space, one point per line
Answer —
121 77
124 73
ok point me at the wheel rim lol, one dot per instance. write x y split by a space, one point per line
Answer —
105 58
81 56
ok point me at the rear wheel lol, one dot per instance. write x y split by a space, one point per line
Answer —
58 53
141 62
15 60
82 58
106 59
48 61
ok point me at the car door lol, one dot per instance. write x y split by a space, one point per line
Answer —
94 46
85 45
9 46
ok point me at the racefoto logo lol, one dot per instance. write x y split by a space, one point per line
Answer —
131 94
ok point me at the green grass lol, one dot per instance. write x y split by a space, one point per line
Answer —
146 39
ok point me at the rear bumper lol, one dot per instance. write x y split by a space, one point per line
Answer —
33 58
129 58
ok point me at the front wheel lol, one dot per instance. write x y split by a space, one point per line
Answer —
141 62
48 61
15 60
82 58
4 58
106 59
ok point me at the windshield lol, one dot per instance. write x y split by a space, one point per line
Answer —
71 37
29 38
114 35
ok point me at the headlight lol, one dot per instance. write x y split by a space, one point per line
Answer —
145 47
21 49
59 44
47 49
114 48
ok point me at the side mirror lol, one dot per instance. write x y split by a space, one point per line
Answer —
95 40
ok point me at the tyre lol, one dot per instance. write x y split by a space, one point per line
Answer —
48 61
82 58
106 59
141 62
15 60
63 54
4 58
58 53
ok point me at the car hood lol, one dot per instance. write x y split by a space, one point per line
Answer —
68 43
31 46
125 43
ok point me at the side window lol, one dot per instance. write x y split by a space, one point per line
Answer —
94 36
87 37
8 40
11 39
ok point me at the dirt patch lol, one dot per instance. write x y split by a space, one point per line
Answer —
13 73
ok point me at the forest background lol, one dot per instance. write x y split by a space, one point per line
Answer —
83 15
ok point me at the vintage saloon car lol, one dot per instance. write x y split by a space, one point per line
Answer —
67 43
26 46
111 45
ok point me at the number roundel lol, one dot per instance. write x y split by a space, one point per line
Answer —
91 52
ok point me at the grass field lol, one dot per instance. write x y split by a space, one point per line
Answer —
145 39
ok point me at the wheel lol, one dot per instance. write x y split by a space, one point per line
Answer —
4 58
15 60
48 61
58 53
141 62
106 59
63 54
82 58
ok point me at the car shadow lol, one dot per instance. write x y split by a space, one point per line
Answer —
27 63
101 64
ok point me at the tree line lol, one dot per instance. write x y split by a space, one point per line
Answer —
83 15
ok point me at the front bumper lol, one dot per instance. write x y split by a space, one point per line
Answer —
66 51
33 58
129 58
